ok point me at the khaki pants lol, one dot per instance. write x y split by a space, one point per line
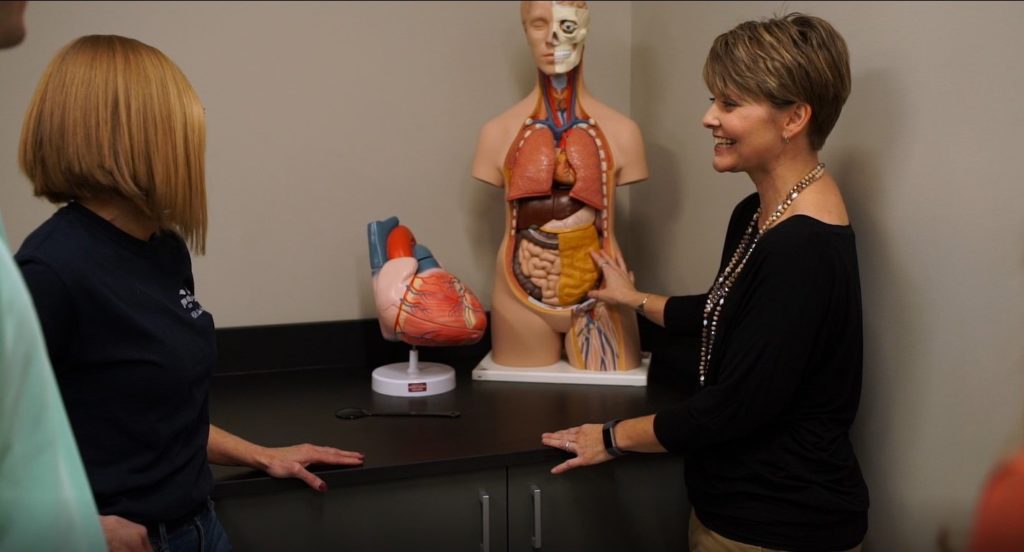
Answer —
703 539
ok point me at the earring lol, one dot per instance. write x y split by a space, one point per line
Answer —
785 138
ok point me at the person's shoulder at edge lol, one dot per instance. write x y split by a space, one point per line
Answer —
804 247
996 526
45 236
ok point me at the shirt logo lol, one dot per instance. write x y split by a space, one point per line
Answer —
189 303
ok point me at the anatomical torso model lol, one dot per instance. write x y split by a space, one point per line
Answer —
559 154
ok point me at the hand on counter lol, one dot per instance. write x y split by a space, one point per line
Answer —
283 462
291 461
584 441
588 443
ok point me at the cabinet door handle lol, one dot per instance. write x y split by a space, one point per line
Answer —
485 521
535 492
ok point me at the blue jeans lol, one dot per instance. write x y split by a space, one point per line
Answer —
203 533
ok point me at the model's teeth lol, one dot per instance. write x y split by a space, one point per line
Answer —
562 54
723 141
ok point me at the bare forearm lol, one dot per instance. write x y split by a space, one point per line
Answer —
230 450
227 449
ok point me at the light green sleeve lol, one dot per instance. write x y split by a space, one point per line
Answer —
45 499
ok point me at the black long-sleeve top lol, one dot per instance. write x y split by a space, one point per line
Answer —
768 456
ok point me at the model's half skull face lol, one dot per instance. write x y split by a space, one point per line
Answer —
569 23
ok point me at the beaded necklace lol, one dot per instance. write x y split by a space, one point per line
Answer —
725 280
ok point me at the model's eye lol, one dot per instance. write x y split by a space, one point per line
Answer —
568 27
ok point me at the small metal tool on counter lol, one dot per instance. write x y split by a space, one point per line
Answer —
356 413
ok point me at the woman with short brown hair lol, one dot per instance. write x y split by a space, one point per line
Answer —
769 462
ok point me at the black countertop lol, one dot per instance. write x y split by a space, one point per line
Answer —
281 385
500 425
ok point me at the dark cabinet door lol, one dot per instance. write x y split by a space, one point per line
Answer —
637 502
425 513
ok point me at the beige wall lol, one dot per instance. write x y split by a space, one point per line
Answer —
322 117
926 151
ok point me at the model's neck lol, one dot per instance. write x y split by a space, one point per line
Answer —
560 97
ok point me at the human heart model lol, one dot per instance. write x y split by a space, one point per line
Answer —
418 302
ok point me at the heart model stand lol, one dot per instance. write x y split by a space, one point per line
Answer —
413 378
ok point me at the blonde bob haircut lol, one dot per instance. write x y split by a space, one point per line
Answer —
113 117
784 60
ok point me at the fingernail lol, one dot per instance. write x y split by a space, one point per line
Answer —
322 487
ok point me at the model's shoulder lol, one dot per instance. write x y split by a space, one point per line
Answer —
510 120
625 138
495 137
609 117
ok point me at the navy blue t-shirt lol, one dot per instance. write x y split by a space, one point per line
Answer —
133 351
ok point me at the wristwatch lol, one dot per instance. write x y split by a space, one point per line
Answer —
608 433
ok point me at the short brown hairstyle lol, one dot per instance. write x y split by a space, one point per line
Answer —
112 116
784 60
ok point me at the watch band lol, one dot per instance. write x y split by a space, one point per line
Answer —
608 433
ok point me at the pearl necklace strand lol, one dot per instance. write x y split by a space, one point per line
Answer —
724 282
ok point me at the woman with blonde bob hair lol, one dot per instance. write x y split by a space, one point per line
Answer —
117 133
765 427
115 118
